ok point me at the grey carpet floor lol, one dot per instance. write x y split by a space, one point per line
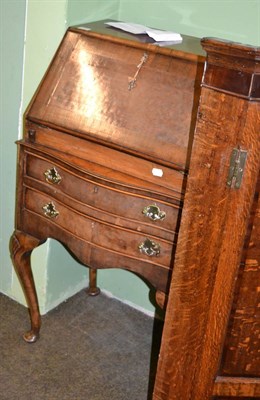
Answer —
91 348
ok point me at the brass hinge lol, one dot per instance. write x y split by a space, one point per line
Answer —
236 168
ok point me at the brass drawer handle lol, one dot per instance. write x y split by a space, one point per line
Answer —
149 248
50 210
153 212
52 176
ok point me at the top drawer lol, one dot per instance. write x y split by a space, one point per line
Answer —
114 165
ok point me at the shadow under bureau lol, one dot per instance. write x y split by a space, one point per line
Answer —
130 164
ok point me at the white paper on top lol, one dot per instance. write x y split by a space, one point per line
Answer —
128 27
156 34
163 36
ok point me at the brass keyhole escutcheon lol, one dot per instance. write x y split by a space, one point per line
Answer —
52 176
149 248
154 213
50 210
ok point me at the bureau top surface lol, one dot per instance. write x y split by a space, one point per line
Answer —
87 92
189 47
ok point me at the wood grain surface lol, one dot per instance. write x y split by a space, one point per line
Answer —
213 227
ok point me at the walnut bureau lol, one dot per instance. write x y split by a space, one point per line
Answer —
146 158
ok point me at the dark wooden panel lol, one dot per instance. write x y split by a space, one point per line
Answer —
233 81
255 92
238 75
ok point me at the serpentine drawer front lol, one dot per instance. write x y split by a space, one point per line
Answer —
91 229
100 196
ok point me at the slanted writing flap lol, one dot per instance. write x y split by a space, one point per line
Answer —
86 92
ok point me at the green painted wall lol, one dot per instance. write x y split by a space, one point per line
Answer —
12 17
80 11
237 20
57 274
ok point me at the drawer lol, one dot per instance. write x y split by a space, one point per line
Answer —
54 215
123 166
100 199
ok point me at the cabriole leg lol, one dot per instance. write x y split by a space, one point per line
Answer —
21 246
93 290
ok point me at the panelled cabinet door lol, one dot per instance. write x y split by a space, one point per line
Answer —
210 345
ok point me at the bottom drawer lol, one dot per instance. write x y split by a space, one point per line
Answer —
96 243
